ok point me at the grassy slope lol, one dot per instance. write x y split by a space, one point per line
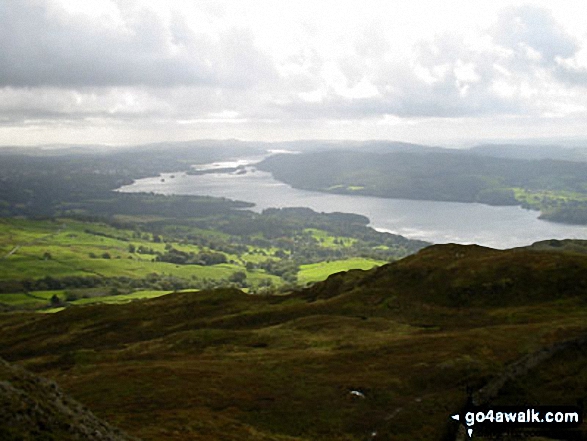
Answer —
320 271
70 244
202 365
327 240
558 246
70 249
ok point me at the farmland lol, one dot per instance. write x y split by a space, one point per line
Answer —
48 264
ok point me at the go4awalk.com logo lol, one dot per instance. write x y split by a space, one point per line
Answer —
497 420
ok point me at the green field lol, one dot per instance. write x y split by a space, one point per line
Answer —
121 298
316 272
32 300
85 262
41 300
329 240
68 248
547 199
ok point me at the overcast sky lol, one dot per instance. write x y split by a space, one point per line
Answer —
128 72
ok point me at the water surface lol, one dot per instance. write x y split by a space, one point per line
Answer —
437 222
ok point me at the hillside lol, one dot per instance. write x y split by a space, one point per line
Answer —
388 353
35 409
558 246
531 152
555 187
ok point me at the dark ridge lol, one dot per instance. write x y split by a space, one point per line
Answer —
34 408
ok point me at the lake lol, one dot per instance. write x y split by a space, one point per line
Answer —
436 222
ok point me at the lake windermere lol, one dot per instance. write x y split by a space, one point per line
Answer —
436 222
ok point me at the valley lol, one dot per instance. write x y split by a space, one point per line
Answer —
293 221
191 317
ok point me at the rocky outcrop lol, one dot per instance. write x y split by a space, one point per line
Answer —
34 408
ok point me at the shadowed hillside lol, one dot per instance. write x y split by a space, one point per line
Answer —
567 246
388 353
35 409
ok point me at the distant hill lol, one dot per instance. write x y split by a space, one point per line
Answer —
381 146
388 353
517 151
566 245
556 188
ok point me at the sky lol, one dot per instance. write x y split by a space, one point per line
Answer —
137 71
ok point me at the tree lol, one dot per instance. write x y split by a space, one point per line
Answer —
131 248
238 277
55 300
265 283
47 255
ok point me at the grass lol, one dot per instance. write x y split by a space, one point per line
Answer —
52 310
41 300
72 248
542 199
121 298
320 271
347 187
71 243
21 300
328 240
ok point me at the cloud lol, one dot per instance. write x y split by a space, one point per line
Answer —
533 36
522 65
442 78
45 46
181 63
536 41
59 104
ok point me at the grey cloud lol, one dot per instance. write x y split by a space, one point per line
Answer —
44 52
530 27
535 28
403 93
41 46
572 75
443 99
523 32
411 98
